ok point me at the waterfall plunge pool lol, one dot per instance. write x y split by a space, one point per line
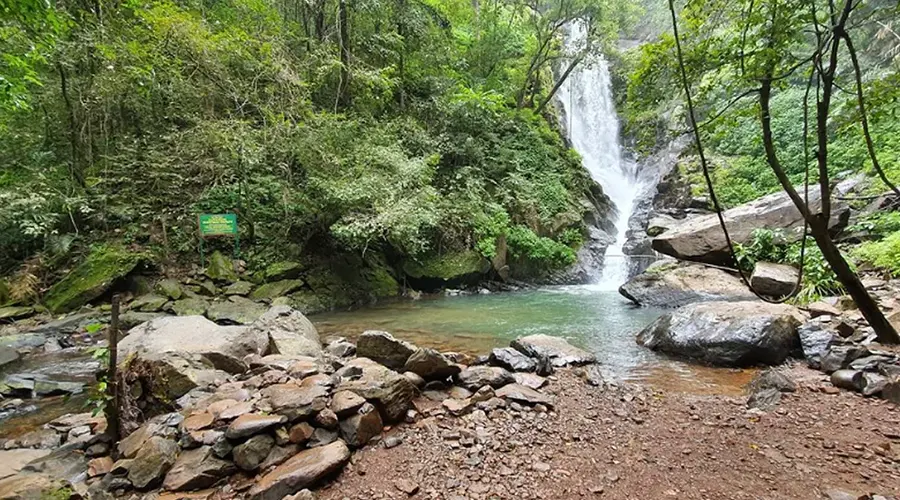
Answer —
590 317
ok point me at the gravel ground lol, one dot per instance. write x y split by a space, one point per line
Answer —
633 442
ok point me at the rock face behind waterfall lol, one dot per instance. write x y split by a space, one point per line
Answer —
669 284
701 239
727 333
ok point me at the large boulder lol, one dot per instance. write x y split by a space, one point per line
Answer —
774 280
383 348
302 470
430 365
815 339
558 350
450 269
276 289
389 391
236 310
727 333
290 332
172 355
92 278
701 238
670 284
475 377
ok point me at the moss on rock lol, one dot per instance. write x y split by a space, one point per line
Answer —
448 267
284 270
221 268
93 277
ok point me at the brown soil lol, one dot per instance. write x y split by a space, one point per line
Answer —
633 442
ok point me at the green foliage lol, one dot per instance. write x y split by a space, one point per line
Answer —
98 395
524 243
884 253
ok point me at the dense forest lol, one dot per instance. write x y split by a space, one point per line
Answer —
377 139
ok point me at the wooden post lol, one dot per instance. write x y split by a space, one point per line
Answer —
112 383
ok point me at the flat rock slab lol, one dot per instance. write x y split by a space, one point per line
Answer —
303 470
12 461
522 394
669 284
560 352
250 424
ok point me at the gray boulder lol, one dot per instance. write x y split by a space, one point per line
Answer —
512 360
362 426
556 349
236 310
815 338
290 332
774 280
249 454
700 239
727 333
152 462
669 284
474 377
383 348
389 391
430 365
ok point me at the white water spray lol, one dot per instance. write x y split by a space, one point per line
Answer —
593 128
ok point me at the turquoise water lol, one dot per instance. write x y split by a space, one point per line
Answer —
602 322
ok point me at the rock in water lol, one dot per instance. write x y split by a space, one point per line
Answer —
431 365
196 469
304 469
383 348
727 333
774 280
669 284
558 350
290 332
700 239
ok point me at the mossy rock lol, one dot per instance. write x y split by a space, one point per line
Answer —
149 303
304 301
285 270
276 289
236 310
448 267
15 312
221 268
170 288
239 288
92 278
190 307
381 283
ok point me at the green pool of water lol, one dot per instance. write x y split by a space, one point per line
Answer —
600 321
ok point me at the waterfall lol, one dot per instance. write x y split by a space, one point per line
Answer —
593 129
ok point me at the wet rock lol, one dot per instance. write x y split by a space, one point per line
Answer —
674 284
196 469
700 239
235 311
815 339
511 359
774 280
727 333
840 356
558 350
46 387
46 439
361 427
303 470
522 394
252 452
384 349
321 437
294 401
152 462
390 391
250 424
474 377
430 365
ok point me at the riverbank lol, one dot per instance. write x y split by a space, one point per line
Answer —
633 441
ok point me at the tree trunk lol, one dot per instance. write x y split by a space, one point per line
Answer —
559 83
343 89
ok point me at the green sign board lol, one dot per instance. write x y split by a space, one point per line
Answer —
218 225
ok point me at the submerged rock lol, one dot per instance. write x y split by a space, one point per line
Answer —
727 333
669 284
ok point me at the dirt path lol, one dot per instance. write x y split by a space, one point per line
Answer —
633 443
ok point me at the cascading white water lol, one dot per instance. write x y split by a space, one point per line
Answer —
593 128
